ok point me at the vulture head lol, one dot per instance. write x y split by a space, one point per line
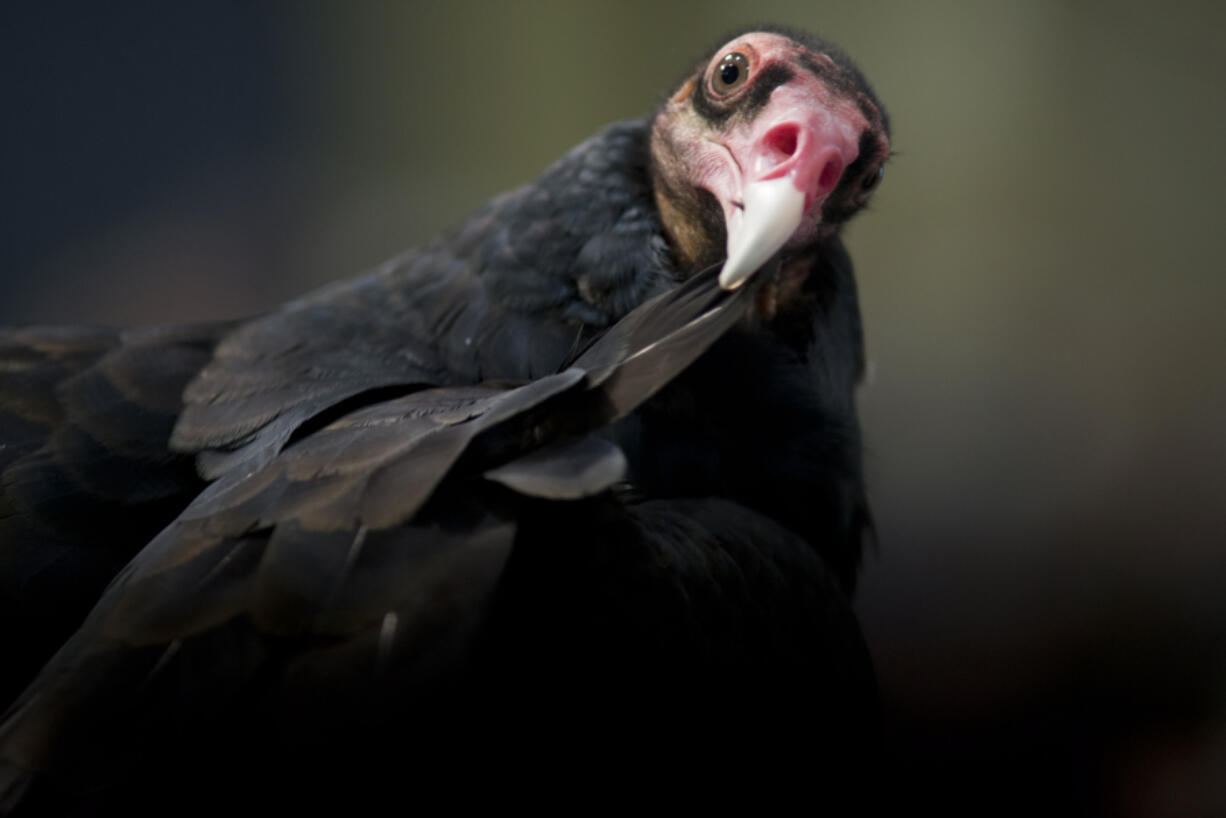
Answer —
769 144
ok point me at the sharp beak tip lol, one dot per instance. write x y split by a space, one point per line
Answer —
772 212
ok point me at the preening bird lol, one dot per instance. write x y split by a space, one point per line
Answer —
585 468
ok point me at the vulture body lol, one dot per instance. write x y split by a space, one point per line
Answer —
584 470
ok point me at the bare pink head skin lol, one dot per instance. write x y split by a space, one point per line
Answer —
791 114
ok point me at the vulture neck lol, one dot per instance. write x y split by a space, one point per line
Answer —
785 442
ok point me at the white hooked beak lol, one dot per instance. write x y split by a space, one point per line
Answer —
772 211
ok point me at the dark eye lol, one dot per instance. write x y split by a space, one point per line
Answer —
873 178
730 74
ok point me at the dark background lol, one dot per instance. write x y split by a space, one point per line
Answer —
1042 279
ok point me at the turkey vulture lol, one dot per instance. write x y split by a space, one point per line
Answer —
583 470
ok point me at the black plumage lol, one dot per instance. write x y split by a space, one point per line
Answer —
542 476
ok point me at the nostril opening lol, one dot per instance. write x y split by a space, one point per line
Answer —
783 139
829 177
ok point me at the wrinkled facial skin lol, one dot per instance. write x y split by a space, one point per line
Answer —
762 107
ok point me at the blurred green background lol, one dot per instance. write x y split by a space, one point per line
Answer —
1041 274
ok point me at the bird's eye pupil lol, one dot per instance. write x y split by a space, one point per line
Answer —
731 73
873 178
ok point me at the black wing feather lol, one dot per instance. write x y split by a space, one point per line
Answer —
86 477
287 547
